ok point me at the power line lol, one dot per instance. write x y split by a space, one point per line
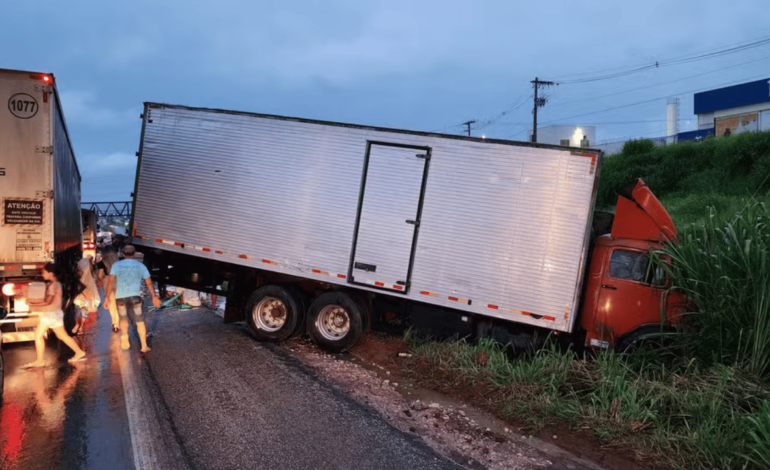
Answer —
653 99
518 103
614 69
664 83
665 63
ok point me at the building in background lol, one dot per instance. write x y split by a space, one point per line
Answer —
735 109
567 136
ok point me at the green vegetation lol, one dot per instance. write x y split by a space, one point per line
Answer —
704 402
672 413
690 177
723 265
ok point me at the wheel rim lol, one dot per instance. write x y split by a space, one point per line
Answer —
333 322
269 314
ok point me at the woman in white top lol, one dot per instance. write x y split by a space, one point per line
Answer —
87 300
52 316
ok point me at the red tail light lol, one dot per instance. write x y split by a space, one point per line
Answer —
88 246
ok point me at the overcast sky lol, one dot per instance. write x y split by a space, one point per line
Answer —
406 64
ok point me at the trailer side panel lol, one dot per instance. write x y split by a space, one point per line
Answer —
67 227
499 227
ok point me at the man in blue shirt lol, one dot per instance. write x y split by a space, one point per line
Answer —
127 276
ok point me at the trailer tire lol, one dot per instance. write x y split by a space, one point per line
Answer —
274 313
336 321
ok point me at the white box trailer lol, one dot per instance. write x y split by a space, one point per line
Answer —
39 189
483 227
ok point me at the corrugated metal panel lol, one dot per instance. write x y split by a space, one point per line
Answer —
386 229
503 229
25 135
67 223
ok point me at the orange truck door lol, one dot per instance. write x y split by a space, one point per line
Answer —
626 298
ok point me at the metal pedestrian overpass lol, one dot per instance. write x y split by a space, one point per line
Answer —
110 209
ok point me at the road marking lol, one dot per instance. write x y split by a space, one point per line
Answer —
137 409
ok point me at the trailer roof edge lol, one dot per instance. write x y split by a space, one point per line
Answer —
517 143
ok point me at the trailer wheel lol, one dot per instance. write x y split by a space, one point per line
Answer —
274 313
336 321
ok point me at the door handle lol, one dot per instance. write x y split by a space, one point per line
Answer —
605 286
413 222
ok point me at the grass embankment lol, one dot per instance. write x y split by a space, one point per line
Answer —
691 177
703 404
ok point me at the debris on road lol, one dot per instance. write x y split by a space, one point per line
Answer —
445 427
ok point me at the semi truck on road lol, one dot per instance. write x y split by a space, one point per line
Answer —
39 192
327 227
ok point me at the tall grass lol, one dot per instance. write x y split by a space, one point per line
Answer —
723 265
669 414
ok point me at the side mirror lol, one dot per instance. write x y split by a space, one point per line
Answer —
3 313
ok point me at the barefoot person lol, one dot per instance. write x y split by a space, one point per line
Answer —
51 316
128 275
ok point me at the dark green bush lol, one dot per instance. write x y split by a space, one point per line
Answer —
737 165
638 147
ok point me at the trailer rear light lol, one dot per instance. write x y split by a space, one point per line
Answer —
8 289
88 246
46 78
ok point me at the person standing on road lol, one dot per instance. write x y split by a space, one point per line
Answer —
128 275
109 257
87 300
52 316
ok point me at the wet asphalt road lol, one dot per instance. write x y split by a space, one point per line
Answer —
206 397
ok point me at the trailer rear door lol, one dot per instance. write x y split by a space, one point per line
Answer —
389 215
25 169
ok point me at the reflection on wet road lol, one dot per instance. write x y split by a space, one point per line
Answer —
207 396
65 415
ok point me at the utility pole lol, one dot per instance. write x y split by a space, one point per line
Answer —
539 103
468 123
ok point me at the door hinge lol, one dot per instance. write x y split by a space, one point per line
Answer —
44 149
44 88
413 222
426 156
44 193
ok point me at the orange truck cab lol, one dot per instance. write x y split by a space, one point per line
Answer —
625 301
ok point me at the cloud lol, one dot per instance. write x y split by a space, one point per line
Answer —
107 177
117 165
127 50
83 107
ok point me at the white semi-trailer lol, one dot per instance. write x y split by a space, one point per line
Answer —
39 192
323 224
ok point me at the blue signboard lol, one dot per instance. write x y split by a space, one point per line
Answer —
733 96
694 135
